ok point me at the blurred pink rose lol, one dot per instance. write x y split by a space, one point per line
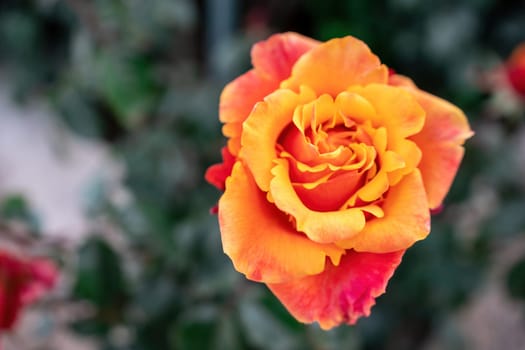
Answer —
515 69
22 281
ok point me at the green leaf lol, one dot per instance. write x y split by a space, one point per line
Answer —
15 207
77 108
196 329
100 280
127 86
516 280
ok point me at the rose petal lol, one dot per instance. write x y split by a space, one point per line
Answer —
322 227
294 142
260 239
262 129
275 57
333 66
410 153
374 188
238 99
302 173
355 107
400 80
406 220
217 173
273 60
441 139
395 109
378 75
331 194
339 294
315 113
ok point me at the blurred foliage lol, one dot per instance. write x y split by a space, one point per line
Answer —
100 280
134 75
14 208
516 280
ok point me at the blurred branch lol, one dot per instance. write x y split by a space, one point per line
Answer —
17 233
20 235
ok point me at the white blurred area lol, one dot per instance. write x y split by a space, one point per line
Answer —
52 168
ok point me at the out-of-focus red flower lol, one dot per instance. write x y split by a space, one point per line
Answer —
515 69
22 281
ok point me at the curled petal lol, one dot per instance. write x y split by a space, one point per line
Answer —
374 188
406 220
295 143
262 129
335 65
441 139
340 294
322 227
410 154
329 194
260 240
355 107
302 173
395 109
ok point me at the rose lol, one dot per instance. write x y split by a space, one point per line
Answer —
331 167
22 281
515 70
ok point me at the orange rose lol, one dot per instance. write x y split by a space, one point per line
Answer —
515 69
331 168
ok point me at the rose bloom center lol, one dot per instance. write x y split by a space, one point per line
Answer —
326 147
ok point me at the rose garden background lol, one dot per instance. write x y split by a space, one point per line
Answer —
109 120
